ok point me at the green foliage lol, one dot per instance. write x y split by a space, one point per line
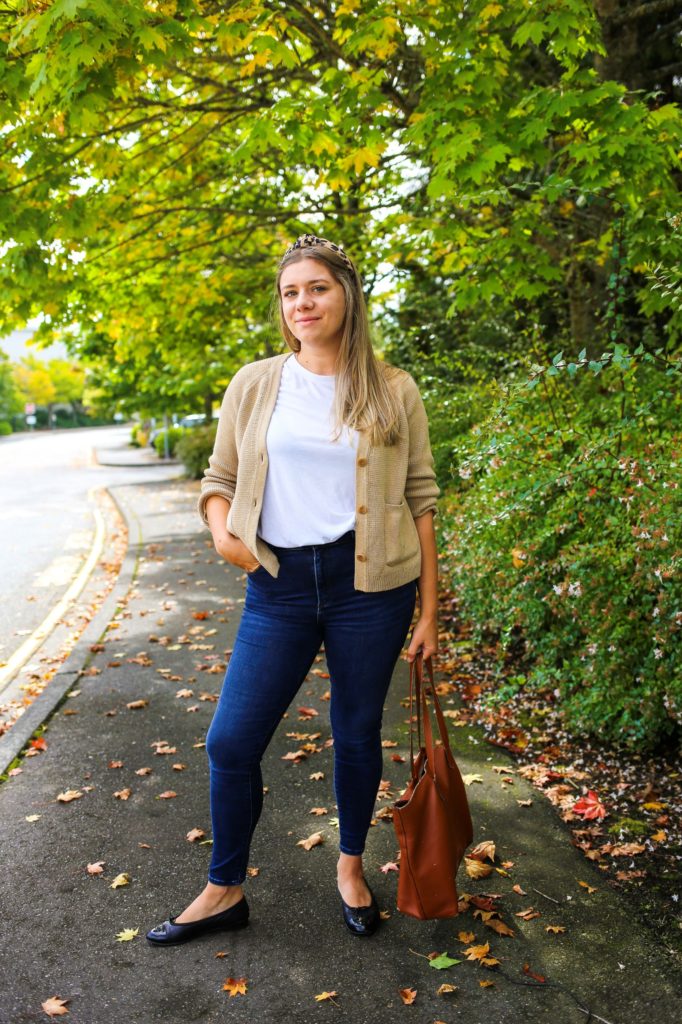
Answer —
5 428
174 434
567 530
194 449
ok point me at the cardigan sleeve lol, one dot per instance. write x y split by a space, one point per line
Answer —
221 475
421 489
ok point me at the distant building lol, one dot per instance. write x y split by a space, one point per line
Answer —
16 347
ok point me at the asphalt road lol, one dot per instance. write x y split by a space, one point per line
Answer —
47 522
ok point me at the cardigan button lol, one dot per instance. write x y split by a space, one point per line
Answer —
362 509
362 558
362 462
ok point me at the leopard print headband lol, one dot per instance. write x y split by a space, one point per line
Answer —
313 241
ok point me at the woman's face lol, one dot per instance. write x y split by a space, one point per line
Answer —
313 303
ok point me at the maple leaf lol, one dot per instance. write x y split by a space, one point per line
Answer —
627 850
54 1006
316 776
324 996
555 929
295 755
408 995
442 961
95 869
466 936
477 952
185 693
39 744
445 989
123 794
120 880
235 986
500 927
468 780
201 615
586 885
69 795
313 840
253 872
127 935
389 866
194 834
589 806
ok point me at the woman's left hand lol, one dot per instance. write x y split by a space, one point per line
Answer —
424 638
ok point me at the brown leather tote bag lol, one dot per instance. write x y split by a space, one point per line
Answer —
431 819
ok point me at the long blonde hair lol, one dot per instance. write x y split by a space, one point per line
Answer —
362 400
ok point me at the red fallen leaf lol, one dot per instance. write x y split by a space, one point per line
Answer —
194 834
398 758
96 648
115 764
326 695
201 615
389 866
408 995
589 806
527 970
39 744
54 1006
307 713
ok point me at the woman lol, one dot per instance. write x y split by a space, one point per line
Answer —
321 486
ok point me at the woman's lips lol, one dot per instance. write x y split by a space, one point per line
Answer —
308 320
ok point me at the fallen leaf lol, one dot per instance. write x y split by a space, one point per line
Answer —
475 869
555 929
528 913
589 806
295 755
185 693
522 892
466 936
627 850
168 795
443 961
95 869
527 970
69 795
194 834
477 952
306 713
525 803
408 995
389 743
324 996
120 880
586 885
135 704
115 764
313 840
178 767
445 989
389 866
123 794
143 771
127 935
319 810
499 926
235 986
469 779
54 1006
32 817
483 851
38 744
221 955
486 984
253 872
316 776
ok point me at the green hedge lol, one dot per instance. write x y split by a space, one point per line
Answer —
194 448
566 531
174 436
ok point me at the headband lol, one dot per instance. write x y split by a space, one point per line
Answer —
312 242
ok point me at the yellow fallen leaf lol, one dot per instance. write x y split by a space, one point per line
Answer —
408 995
127 935
316 776
313 840
486 984
120 880
445 989
586 885
324 996
123 794
475 869
69 795
483 851
555 929
235 986
54 1006
135 704
32 817
659 837
469 779
466 936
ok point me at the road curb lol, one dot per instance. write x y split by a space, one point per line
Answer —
14 741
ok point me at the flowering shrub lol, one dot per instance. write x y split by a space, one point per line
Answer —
566 530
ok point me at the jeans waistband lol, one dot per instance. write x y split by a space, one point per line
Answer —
347 538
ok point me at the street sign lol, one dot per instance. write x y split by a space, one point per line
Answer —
31 420
30 408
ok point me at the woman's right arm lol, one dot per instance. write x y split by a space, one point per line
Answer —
229 547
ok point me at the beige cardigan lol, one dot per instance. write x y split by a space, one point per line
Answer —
394 484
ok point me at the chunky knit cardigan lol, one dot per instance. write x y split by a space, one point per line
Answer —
395 484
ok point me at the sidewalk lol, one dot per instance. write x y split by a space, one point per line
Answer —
167 647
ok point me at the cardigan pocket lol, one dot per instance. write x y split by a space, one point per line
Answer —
400 534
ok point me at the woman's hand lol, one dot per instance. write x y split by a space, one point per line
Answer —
424 638
234 551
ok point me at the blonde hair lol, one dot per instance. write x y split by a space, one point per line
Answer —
363 400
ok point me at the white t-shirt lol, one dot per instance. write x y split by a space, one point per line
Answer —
310 486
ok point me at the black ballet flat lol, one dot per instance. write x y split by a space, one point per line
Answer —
171 934
361 920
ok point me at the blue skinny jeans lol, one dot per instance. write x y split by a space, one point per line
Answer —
285 620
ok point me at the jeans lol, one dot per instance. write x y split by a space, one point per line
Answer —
285 620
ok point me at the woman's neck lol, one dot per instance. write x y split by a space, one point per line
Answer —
322 362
